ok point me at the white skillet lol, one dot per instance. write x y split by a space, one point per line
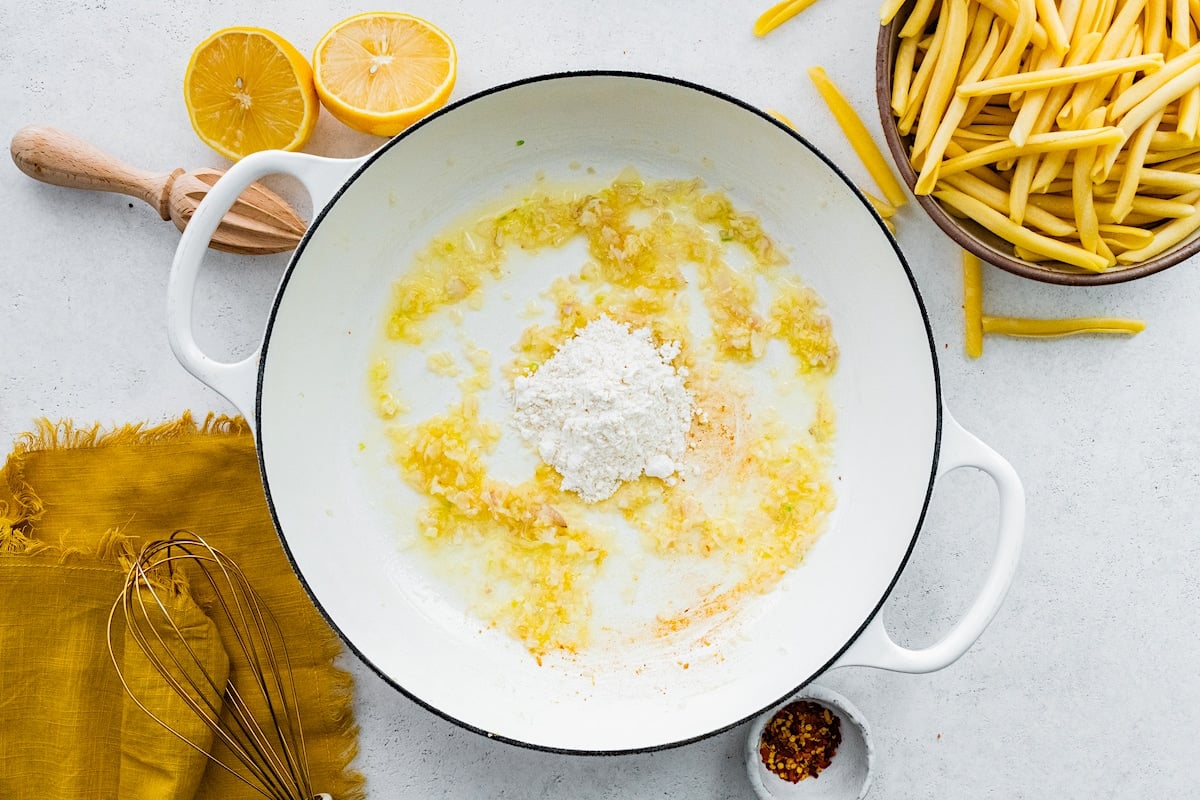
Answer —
303 391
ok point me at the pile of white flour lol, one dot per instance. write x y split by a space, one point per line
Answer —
606 408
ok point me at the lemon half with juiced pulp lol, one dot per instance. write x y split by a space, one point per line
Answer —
382 71
248 89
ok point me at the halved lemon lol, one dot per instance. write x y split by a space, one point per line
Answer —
381 71
249 89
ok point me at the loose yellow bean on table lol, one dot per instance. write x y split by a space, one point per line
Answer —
976 323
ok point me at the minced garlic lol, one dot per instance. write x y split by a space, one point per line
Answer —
750 491
442 363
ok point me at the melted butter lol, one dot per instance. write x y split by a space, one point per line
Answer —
683 261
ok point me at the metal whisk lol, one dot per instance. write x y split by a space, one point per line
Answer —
253 713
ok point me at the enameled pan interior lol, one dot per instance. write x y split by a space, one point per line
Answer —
314 413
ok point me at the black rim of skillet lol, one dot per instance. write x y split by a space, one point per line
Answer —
397 140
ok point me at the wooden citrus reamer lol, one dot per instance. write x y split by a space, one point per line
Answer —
260 222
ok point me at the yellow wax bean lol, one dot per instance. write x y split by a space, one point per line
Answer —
1037 143
1059 76
882 207
1165 236
860 138
1005 228
972 305
903 74
941 87
998 199
1052 328
778 14
949 123
1170 91
1127 237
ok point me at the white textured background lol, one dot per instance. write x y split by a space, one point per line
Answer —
1085 686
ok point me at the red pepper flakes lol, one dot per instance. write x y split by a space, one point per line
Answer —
800 740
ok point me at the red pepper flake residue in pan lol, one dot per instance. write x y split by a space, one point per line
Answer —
800 740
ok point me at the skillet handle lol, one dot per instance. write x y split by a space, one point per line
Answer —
237 381
875 648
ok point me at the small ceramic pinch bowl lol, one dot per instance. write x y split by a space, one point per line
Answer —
848 776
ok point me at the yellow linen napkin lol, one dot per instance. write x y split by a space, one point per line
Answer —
75 506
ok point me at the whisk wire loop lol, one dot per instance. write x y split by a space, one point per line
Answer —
252 714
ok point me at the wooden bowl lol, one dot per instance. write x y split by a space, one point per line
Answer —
972 236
